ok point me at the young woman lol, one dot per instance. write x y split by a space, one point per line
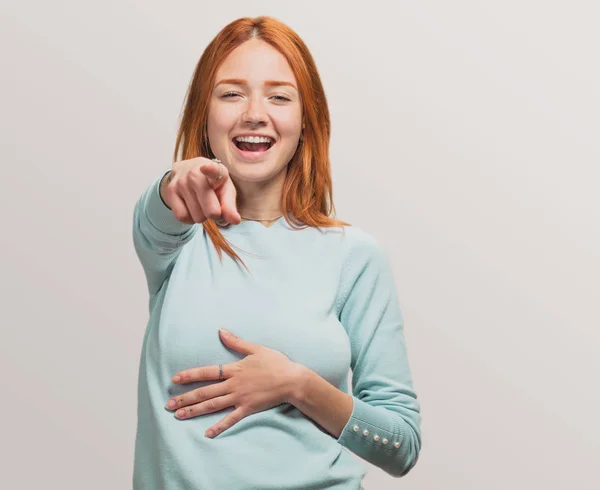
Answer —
305 298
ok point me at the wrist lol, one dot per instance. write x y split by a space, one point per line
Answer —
299 375
162 188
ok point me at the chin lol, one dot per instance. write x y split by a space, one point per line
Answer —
255 172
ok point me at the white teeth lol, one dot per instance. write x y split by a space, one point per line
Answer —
254 139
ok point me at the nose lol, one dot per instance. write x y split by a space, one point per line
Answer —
255 114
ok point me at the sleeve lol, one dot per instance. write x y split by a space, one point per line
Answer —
385 425
158 236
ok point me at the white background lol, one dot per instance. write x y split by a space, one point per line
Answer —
465 138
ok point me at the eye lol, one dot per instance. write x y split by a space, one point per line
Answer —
281 98
229 94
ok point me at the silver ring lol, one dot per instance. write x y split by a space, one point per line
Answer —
222 170
220 371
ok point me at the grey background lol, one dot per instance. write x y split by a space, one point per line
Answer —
465 138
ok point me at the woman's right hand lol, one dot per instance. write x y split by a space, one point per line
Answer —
194 195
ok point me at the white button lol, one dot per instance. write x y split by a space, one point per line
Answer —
366 432
376 437
396 445
356 428
385 441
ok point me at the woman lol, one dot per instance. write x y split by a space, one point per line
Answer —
311 298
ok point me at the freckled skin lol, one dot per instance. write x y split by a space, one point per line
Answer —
232 109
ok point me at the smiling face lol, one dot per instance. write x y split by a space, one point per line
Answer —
255 93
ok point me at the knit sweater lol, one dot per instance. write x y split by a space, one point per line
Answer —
325 297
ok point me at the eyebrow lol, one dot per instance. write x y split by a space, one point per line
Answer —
268 83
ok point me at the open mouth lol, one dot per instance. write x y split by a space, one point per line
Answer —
253 147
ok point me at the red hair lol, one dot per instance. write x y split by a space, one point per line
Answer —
307 191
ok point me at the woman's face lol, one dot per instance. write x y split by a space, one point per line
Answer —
255 84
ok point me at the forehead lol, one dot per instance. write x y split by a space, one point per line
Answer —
256 61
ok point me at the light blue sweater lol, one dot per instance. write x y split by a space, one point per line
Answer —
324 297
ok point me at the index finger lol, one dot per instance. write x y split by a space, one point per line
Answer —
215 172
203 373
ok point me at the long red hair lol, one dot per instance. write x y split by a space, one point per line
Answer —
307 190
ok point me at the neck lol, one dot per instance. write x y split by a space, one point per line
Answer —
260 201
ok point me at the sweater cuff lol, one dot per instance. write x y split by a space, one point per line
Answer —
159 215
371 428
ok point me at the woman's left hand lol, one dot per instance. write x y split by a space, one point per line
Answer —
263 379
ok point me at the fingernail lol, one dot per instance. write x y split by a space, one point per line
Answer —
176 379
171 404
224 331
210 433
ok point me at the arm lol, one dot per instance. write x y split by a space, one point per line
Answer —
319 400
383 402
157 235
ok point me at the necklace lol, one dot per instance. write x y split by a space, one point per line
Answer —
265 219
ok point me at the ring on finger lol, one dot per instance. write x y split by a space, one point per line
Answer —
222 170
